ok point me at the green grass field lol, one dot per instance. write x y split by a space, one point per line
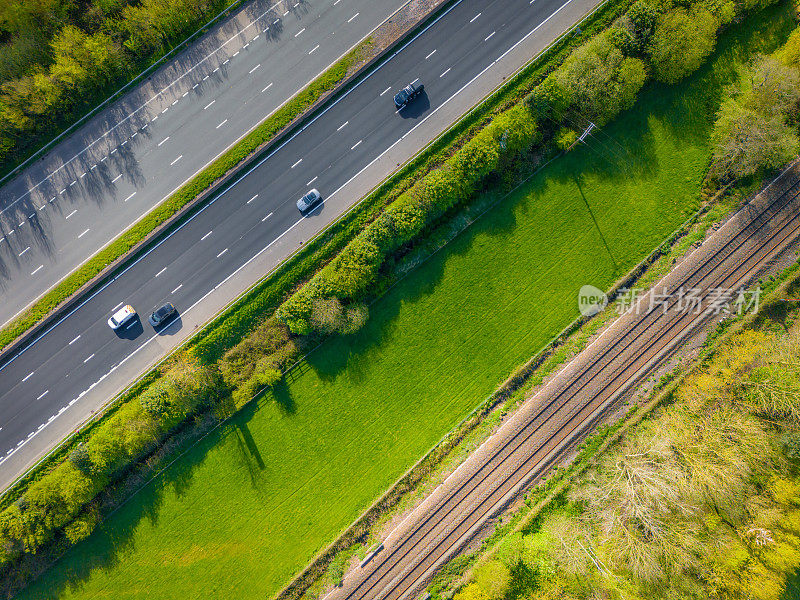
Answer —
244 510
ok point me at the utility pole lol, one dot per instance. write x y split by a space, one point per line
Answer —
583 136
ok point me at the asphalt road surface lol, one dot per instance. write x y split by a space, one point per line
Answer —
61 210
575 399
39 385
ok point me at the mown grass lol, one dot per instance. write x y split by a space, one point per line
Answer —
246 508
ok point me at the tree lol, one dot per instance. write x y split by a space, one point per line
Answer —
789 53
550 99
770 87
493 579
632 31
681 42
599 81
753 130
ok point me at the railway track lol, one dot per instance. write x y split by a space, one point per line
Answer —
576 398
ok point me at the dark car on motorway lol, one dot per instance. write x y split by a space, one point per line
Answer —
309 201
160 316
407 94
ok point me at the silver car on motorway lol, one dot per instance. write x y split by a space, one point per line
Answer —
309 201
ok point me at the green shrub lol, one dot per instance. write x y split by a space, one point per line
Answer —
790 444
599 80
632 31
681 42
82 527
157 398
641 19
494 579
270 339
565 138
265 375
550 100
789 53
81 459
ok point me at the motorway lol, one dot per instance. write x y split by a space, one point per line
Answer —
50 385
123 162
572 402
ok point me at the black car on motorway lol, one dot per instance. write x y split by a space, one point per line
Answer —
160 316
407 94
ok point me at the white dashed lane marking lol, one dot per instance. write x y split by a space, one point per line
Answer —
297 163
28 376
37 269
43 395
221 253
74 340
72 213
221 124
80 235
176 160
353 17
129 197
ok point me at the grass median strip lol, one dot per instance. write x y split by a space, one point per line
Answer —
266 131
